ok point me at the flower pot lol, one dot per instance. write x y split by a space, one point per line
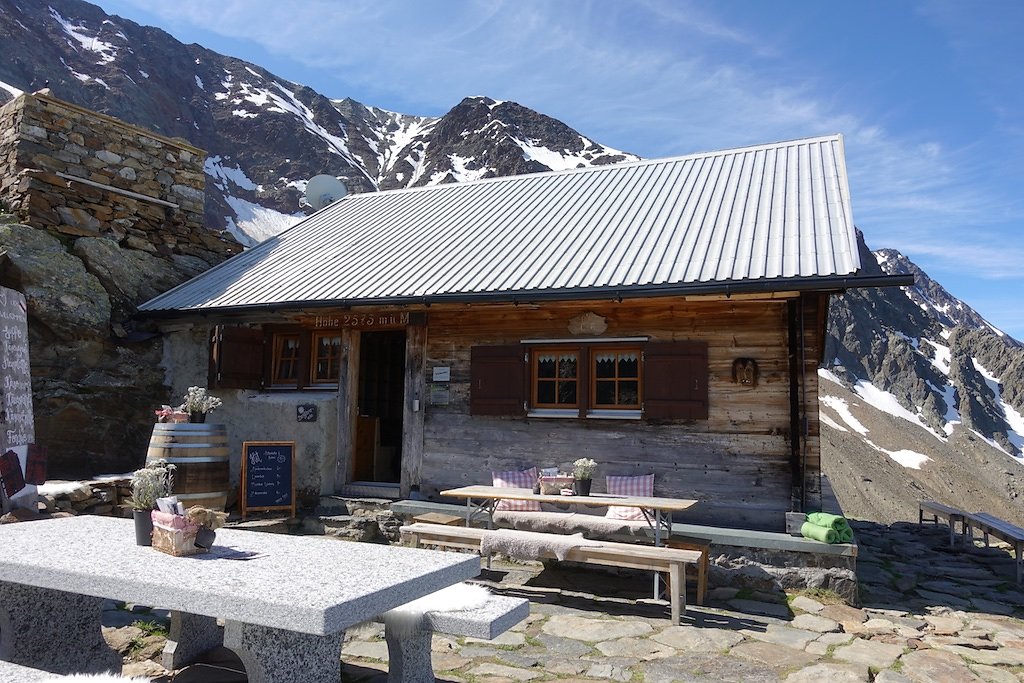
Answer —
582 486
143 527
197 417
205 537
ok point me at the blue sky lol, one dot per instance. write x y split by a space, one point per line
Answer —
930 95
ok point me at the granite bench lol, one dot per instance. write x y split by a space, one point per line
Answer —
16 673
671 561
939 511
409 654
1011 533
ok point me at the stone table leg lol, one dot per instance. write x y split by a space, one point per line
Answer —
409 657
54 631
273 655
191 635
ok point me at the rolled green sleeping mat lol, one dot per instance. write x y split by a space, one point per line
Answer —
818 533
845 535
836 522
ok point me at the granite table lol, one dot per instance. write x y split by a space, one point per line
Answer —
285 600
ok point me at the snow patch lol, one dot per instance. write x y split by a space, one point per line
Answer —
909 459
11 89
830 376
214 168
255 223
825 419
942 356
887 403
242 113
1014 420
199 82
843 409
107 52
143 73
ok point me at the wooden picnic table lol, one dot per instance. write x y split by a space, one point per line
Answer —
483 500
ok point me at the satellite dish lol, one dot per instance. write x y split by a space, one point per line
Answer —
322 190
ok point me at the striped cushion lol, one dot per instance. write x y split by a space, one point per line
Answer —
520 479
629 486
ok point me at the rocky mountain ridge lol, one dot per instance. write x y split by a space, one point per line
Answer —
921 397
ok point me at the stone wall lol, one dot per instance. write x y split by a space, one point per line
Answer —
85 257
77 173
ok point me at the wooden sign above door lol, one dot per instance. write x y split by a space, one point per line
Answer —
364 320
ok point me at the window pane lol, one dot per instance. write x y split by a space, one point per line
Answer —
567 393
629 393
286 363
546 366
328 352
567 366
605 393
629 365
604 365
545 392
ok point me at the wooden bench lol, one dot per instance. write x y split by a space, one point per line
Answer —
939 511
1011 533
672 561
409 654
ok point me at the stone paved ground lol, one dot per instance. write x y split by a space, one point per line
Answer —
928 614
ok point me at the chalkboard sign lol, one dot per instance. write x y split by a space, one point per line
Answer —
16 424
268 476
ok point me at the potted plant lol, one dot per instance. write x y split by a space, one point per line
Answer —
149 483
582 471
198 403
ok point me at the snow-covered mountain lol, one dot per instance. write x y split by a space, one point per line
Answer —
266 135
917 382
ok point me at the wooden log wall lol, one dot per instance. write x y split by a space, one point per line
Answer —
738 462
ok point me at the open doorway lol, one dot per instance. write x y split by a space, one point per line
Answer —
377 455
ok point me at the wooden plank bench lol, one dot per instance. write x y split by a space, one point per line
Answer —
605 553
939 511
409 654
1011 533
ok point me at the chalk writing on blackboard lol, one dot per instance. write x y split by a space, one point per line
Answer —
16 424
268 473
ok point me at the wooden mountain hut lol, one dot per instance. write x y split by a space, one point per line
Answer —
664 316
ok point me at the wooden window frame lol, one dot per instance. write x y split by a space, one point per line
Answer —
617 349
277 344
672 384
536 379
314 359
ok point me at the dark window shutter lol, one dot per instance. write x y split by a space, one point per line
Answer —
676 380
497 380
236 358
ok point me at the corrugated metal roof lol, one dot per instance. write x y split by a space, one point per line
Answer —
771 212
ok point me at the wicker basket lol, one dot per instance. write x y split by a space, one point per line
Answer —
175 535
553 485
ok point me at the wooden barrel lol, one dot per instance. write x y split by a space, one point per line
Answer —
199 453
